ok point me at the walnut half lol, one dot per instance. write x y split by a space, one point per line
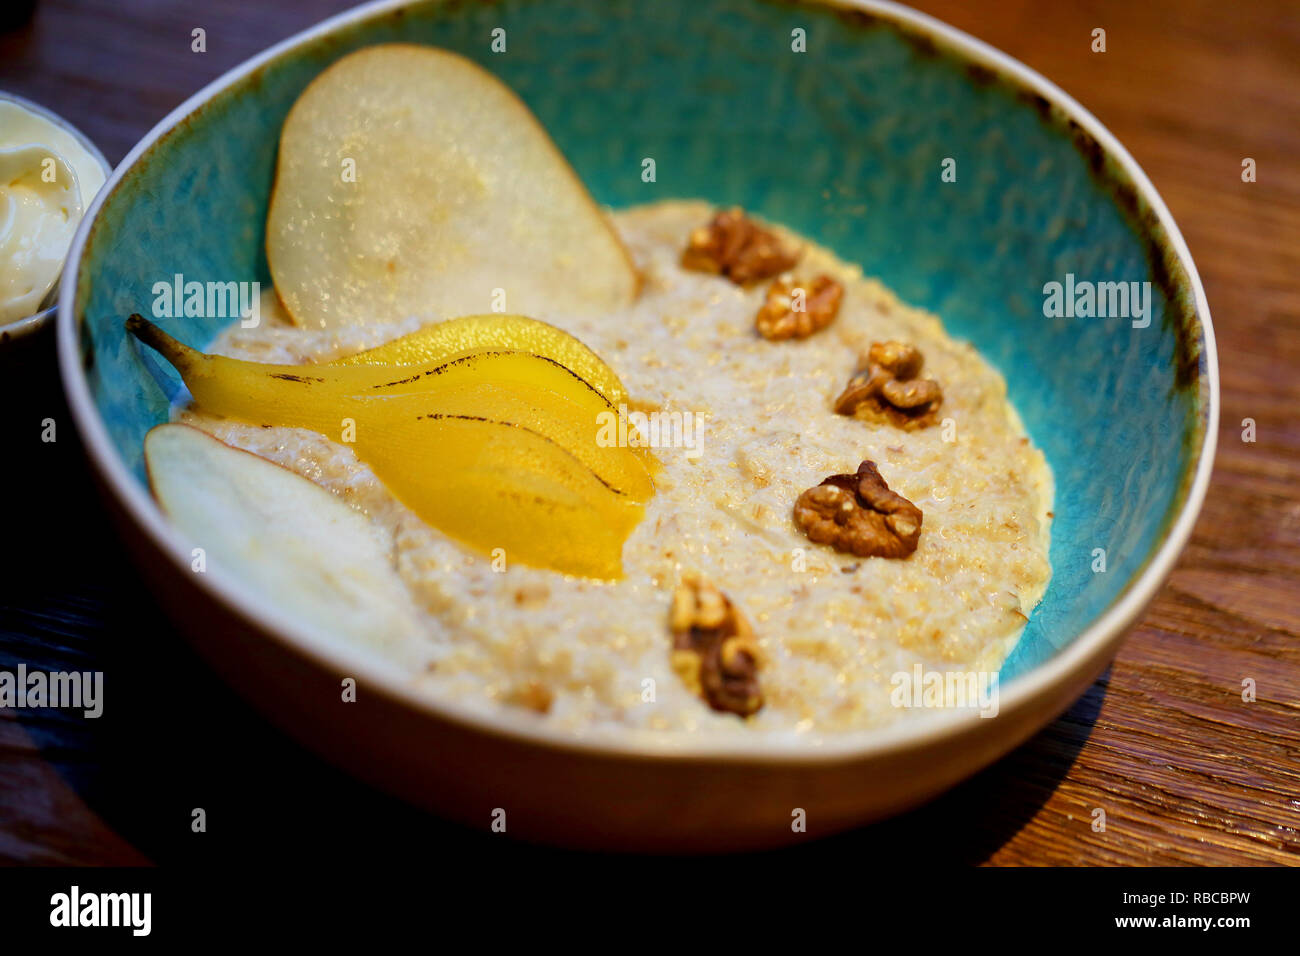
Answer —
735 246
885 388
714 651
858 514
797 310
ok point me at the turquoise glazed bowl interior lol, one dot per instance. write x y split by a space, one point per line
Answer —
845 142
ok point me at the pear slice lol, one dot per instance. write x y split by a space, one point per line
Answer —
471 333
411 182
288 539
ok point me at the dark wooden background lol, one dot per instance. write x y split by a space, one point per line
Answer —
1186 772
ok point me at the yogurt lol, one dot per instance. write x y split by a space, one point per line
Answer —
47 179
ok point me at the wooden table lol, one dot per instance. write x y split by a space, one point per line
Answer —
1186 771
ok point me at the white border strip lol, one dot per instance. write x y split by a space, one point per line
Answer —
1103 636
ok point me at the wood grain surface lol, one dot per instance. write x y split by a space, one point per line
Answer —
1186 771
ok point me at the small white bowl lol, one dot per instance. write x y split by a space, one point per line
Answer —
21 328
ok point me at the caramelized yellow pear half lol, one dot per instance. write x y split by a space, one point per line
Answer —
441 340
497 484
545 412
255 391
435 344
479 446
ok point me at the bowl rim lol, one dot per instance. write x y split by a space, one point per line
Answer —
20 328
1095 643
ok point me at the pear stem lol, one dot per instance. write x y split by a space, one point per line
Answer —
180 355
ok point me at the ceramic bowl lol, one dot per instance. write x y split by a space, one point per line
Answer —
845 142
26 326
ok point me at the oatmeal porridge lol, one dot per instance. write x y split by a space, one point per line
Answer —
795 371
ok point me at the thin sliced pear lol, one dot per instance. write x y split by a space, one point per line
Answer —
270 394
439 341
493 484
540 410
526 492
286 538
469 333
410 181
